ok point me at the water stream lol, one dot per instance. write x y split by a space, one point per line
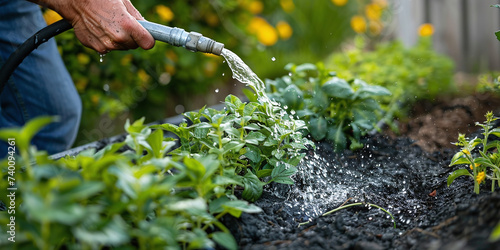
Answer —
316 194
324 181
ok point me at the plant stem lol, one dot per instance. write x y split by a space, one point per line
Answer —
352 205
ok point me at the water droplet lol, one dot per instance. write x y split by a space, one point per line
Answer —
217 91
273 59
223 74
101 56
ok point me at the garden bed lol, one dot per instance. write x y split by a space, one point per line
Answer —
395 173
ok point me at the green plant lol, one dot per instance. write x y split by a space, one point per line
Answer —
489 83
410 74
486 164
114 199
145 193
498 32
334 109
249 143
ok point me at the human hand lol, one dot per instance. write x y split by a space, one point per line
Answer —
103 25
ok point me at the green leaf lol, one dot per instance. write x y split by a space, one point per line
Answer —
250 94
252 187
282 172
233 146
318 128
264 173
306 67
225 239
254 137
457 173
495 234
242 206
498 35
252 126
113 233
155 141
459 158
253 153
337 136
371 90
195 169
337 87
292 97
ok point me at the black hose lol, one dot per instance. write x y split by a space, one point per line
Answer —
28 46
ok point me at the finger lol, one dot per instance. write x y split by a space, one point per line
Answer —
132 10
138 33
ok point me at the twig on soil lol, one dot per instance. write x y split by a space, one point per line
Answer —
351 205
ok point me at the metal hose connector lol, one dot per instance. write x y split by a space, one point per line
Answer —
179 37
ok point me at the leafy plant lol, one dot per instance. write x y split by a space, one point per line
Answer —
486 164
144 192
114 199
498 32
334 109
249 143
410 74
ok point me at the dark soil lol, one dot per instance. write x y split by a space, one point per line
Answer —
403 175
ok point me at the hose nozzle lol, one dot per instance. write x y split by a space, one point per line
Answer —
178 37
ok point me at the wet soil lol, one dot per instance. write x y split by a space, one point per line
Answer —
404 174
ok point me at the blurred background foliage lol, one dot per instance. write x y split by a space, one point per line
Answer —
167 80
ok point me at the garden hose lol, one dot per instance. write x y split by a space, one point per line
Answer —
175 36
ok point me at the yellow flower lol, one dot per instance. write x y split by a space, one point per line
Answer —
83 59
426 29
339 2
165 13
266 34
480 177
465 151
475 164
143 75
94 98
373 11
172 56
285 31
358 24
81 84
255 7
51 17
126 59
170 69
255 23
287 5
212 19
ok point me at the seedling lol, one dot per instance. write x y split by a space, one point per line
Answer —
484 166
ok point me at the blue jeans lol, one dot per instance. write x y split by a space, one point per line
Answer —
41 85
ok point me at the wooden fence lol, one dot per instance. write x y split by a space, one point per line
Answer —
463 29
